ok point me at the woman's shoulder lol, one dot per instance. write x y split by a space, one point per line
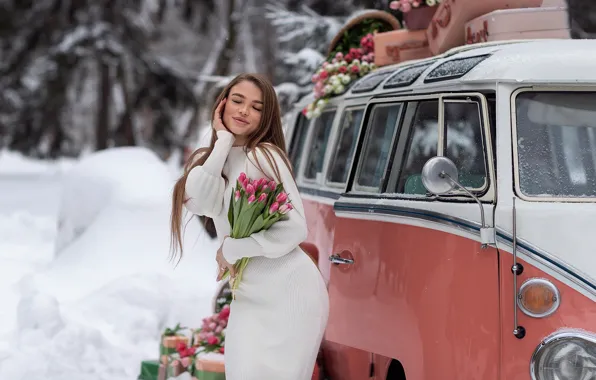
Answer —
269 159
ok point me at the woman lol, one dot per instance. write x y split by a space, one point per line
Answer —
280 312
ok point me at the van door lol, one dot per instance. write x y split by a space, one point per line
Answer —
410 279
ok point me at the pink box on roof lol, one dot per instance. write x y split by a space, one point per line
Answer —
525 23
447 28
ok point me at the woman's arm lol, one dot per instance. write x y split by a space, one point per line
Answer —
283 236
205 186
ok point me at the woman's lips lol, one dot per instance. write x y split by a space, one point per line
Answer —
241 121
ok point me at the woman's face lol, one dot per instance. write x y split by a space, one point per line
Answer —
242 112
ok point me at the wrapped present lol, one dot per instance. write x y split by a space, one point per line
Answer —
399 46
525 23
419 18
447 27
149 370
210 367
168 345
169 369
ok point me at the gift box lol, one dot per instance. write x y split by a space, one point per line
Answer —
149 370
210 367
447 27
399 46
168 344
509 24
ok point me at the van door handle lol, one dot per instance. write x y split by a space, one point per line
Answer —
335 259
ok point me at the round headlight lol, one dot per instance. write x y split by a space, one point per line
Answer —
565 356
538 298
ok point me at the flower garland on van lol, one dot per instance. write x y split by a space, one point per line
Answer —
351 59
406 6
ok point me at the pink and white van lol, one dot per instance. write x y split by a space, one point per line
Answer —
451 203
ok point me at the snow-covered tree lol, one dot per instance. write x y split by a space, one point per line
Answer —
51 48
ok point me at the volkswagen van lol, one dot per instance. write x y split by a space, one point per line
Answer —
450 204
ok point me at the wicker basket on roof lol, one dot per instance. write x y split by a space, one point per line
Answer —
358 18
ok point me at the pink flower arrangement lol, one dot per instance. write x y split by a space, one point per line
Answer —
338 72
211 336
255 206
407 5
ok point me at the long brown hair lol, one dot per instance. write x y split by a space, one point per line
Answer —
269 134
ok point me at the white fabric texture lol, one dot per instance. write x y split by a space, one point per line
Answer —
278 318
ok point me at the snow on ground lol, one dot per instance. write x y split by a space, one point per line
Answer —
93 308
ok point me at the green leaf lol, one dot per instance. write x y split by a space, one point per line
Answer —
257 225
244 219
237 209
231 211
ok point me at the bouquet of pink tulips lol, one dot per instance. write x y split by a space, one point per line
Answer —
255 206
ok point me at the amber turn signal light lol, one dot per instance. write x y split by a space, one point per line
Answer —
538 298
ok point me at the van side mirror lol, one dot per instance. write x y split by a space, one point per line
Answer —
439 176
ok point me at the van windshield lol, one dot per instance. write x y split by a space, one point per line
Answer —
556 144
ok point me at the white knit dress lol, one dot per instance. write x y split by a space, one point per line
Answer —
279 316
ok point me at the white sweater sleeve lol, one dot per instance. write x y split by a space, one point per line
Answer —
205 186
283 236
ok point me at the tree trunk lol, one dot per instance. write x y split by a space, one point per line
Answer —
269 50
124 135
102 128
225 59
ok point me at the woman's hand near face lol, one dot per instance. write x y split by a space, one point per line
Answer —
218 123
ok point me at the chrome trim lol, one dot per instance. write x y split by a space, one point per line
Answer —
513 121
548 284
514 270
569 334
571 274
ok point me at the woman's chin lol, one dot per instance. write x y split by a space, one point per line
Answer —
238 132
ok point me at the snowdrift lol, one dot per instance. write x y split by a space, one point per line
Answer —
98 308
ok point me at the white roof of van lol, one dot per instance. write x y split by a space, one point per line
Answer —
536 61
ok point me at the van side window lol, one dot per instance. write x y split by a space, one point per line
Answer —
298 138
346 144
422 145
464 142
316 154
381 129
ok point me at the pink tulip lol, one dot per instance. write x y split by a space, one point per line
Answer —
213 340
272 185
274 207
242 177
251 199
282 197
285 208
237 195
250 189
262 197
185 362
